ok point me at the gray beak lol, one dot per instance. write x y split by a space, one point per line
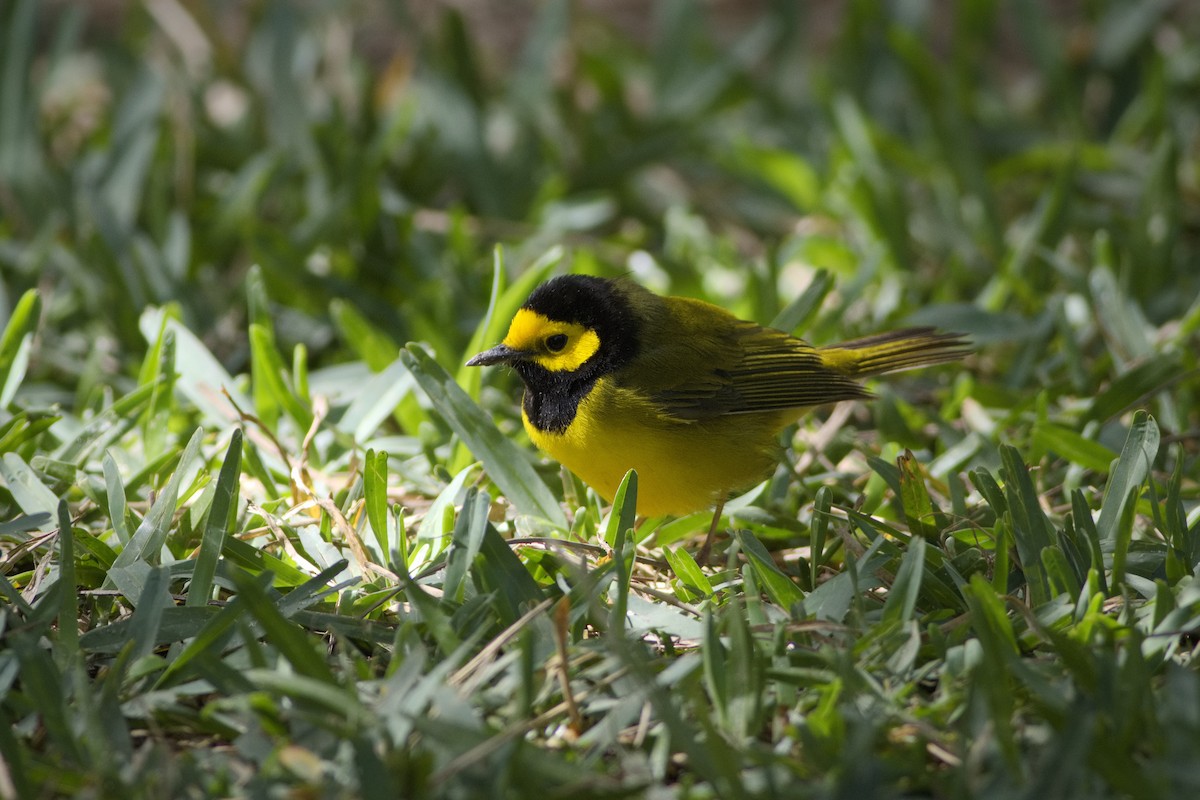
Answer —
500 354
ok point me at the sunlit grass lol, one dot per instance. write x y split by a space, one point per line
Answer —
244 264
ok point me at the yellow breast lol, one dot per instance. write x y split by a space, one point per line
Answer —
682 466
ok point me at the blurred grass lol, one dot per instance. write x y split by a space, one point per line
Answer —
246 545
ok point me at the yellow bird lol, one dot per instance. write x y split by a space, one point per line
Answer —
693 398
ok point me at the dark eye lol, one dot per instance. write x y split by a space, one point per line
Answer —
556 342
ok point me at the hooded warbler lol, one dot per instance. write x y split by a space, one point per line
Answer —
693 398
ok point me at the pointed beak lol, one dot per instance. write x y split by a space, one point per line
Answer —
500 354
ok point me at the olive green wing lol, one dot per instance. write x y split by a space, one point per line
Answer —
701 362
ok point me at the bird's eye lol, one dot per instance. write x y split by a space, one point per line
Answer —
556 342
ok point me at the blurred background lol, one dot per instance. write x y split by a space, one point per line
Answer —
1028 172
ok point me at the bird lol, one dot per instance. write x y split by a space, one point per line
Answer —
684 392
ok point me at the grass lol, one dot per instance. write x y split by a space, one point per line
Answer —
262 533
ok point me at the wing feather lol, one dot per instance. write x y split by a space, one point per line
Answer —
698 362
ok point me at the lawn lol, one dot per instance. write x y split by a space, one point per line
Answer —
263 534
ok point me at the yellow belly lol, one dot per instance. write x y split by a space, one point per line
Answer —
682 466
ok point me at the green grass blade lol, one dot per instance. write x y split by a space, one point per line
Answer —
289 638
13 597
252 559
623 557
107 426
779 587
688 571
1061 575
46 688
505 463
1072 446
431 613
1135 387
220 517
128 572
1185 546
33 496
924 518
215 633
68 615
820 530
201 378
374 347
799 313
375 499
902 597
1031 529
158 370
998 644
1081 516
271 387
435 527
378 398
500 572
20 784
117 506
15 344
465 542
147 619
20 154
1127 476
623 515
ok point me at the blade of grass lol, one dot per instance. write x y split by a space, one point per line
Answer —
376 349
46 688
1072 446
288 638
378 398
619 536
67 644
901 600
201 378
798 314
1128 474
505 463
106 427
1135 386
623 557
220 517
779 587
1031 529
16 763
146 622
271 386
999 647
820 529
688 571
33 496
251 558
375 499
465 542
158 370
128 572
211 638
924 518
15 344
1081 516
436 619
501 572
623 515
117 505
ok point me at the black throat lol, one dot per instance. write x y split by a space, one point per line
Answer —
552 398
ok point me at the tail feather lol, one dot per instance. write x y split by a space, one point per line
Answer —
897 350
